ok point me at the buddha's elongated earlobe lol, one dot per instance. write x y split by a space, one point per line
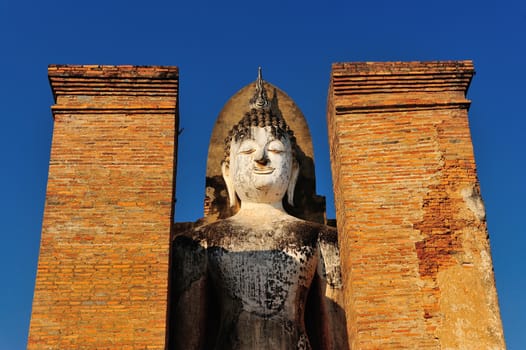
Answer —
225 170
292 182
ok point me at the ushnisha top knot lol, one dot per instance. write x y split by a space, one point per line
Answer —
261 114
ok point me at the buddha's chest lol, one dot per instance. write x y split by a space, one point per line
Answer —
265 281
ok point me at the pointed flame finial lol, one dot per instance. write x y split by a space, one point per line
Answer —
260 99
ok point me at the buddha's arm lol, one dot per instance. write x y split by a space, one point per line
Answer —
331 288
188 296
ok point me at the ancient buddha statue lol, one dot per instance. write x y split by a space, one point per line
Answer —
260 279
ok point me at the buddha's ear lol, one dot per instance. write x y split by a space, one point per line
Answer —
225 169
292 182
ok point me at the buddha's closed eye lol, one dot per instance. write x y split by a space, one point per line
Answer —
247 151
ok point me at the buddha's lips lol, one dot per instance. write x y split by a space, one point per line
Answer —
263 171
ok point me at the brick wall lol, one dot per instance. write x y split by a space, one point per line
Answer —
103 266
413 238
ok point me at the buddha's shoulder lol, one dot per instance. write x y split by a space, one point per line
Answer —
291 228
203 233
310 226
314 230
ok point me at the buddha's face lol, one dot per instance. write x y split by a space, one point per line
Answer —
261 166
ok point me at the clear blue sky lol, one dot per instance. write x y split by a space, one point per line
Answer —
218 46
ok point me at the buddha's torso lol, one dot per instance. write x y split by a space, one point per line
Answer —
261 275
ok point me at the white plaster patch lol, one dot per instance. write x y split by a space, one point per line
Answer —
330 266
474 202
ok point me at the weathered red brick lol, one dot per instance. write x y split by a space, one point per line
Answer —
415 254
102 277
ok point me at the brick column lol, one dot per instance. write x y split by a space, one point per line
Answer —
414 247
102 274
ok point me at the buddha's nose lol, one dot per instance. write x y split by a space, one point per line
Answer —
262 161
261 157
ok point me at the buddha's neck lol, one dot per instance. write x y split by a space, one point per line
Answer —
261 209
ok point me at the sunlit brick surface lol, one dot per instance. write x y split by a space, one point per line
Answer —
413 238
103 268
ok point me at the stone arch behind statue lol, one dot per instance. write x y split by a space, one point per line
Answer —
308 205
